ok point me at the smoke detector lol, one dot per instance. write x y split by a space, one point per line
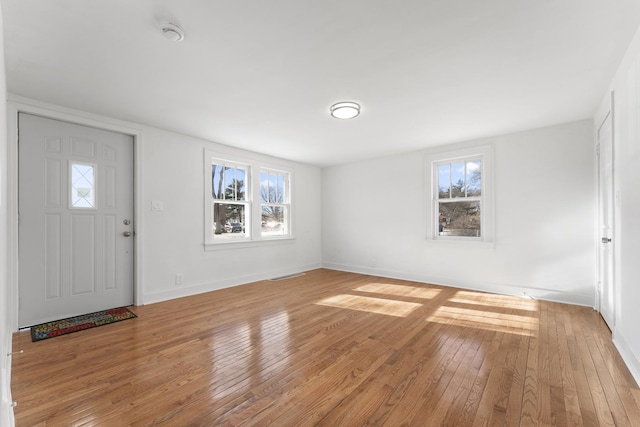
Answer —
173 32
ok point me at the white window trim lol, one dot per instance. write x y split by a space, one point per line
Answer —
253 202
485 152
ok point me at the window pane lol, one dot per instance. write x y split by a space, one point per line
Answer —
83 193
457 180
459 219
217 172
264 187
474 178
281 192
444 181
229 179
274 220
229 221
273 188
241 180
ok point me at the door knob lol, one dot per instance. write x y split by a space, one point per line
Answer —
606 240
126 234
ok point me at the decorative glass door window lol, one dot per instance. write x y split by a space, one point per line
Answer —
82 185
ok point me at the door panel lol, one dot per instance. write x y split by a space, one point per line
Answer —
75 193
606 219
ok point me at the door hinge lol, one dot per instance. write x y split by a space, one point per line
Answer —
597 149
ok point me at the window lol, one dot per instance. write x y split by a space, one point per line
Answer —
245 201
461 203
82 185
459 197
274 203
229 201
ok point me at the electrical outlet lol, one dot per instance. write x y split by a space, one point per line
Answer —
179 279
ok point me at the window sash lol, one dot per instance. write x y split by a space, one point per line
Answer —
464 161
472 226
277 227
222 182
279 191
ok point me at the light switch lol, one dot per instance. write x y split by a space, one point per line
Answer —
157 206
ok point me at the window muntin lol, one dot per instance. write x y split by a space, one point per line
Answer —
274 203
458 201
230 202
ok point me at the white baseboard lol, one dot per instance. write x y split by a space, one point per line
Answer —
496 288
627 355
6 410
194 289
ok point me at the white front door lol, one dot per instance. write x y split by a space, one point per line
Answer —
606 219
75 219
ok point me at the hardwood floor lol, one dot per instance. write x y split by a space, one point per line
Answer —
331 349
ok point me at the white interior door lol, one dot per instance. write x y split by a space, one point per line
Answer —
606 219
75 220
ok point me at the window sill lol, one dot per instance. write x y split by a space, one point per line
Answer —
224 246
461 243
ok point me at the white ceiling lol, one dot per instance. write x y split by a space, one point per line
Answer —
261 75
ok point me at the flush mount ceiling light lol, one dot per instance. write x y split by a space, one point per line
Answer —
345 110
173 32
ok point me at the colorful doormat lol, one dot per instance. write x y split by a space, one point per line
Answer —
79 323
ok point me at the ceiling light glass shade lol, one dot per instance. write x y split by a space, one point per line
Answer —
345 110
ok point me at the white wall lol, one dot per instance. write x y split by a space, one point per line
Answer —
6 413
626 108
172 169
374 219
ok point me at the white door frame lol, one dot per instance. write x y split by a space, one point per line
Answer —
17 104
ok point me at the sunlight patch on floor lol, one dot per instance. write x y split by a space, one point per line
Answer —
480 319
502 301
371 305
487 306
399 290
